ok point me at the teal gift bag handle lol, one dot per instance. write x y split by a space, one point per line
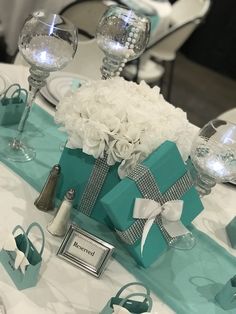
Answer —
18 227
36 225
135 304
133 284
9 96
147 299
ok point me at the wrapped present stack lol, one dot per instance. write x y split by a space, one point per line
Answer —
112 126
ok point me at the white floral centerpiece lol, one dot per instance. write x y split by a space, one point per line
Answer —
124 120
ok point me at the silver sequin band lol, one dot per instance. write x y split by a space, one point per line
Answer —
94 186
147 185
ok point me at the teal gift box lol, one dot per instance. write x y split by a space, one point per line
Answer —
167 167
76 171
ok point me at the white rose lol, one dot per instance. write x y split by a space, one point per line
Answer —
123 149
75 141
132 132
119 150
128 165
95 139
124 119
111 156
107 118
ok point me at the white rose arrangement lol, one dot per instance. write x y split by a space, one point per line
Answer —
124 120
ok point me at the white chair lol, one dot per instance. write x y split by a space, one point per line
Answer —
85 15
185 10
87 60
166 48
229 115
186 16
19 60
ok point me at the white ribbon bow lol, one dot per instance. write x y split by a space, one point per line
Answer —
8 243
170 213
117 309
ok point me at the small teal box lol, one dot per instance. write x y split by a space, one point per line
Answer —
76 168
231 232
226 297
167 167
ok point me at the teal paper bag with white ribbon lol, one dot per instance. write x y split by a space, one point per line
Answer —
12 105
129 302
163 178
20 258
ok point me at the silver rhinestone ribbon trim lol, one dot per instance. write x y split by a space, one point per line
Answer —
149 189
94 186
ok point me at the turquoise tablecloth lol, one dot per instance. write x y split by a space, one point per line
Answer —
186 280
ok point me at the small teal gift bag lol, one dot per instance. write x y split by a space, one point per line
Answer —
226 297
128 301
28 276
12 105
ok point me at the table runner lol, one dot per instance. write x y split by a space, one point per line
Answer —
43 135
186 280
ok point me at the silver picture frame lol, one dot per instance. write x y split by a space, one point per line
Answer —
84 250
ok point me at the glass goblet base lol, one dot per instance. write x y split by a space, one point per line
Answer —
17 151
184 242
202 182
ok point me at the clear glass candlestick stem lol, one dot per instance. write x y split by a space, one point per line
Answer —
110 67
18 151
48 42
